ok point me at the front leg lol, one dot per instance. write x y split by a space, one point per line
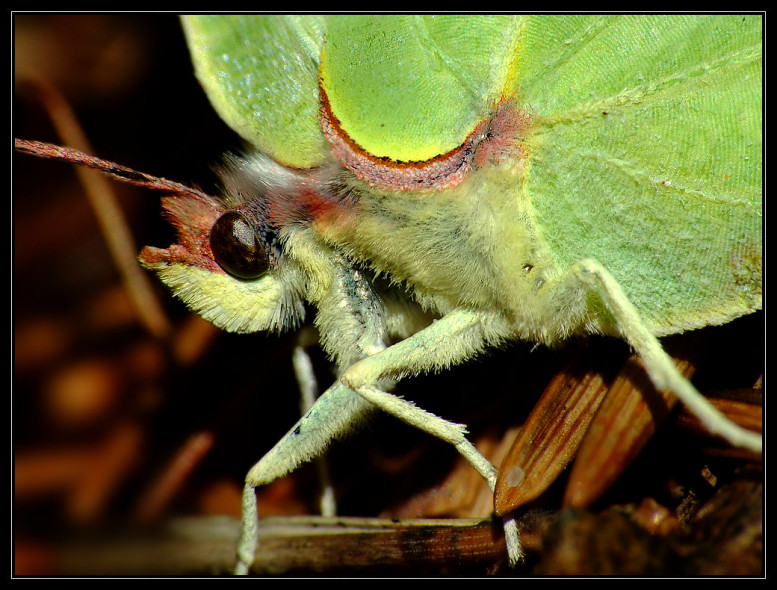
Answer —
445 342
450 340
587 277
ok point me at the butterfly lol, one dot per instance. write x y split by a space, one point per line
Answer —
430 207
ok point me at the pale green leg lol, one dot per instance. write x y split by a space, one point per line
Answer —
447 341
453 338
660 367
334 414
303 369
249 532
354 319
453 434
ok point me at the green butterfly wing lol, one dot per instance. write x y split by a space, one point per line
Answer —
261 75
644 151
647 156
413 87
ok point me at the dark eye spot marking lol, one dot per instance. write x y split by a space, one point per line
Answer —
237 247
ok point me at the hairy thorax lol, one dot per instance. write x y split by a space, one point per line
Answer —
474 245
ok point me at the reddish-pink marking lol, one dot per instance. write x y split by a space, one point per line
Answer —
193 217
493 140
301 205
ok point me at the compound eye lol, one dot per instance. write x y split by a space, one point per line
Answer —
237 248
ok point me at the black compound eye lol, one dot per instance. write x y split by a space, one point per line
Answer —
237 248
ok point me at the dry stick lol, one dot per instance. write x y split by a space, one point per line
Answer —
304 545
102 199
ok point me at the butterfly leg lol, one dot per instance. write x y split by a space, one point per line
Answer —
588 276
353 318
333 415
447 341
306 379
451 433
